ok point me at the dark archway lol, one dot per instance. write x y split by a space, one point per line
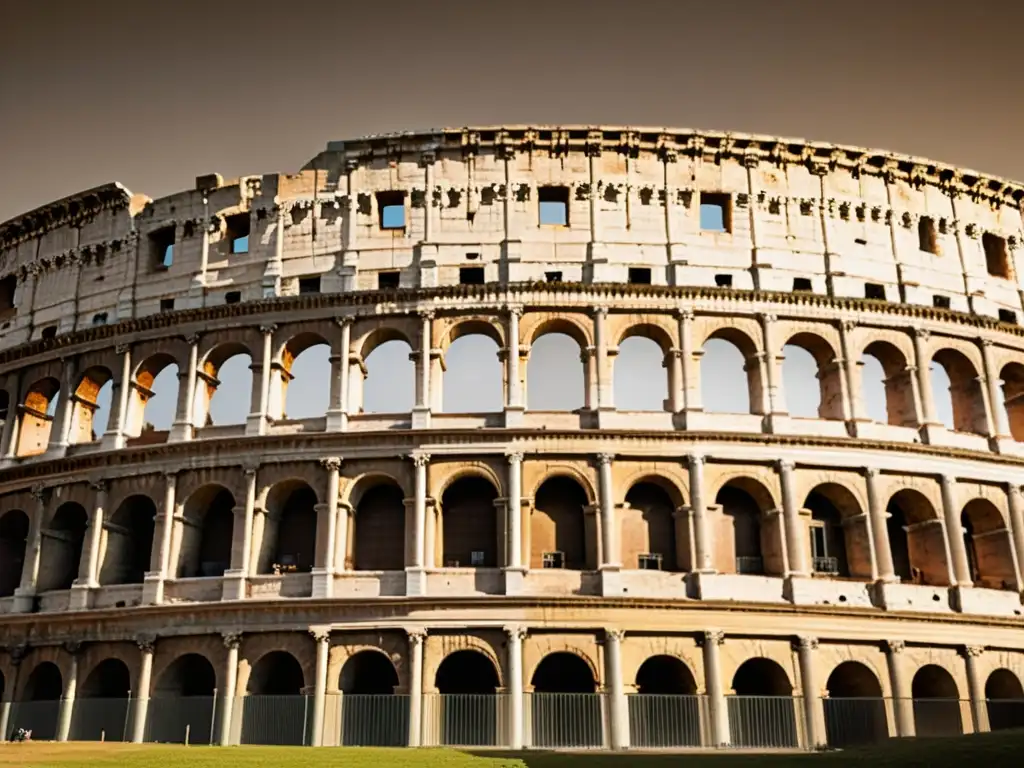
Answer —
378 537
988 545
467 681
648 529
105 720
665 711
828 539
207 534
762 712
275 709
743 514
289 533
62 547
129 542
1004 697
184 702
14 527
39 707
854 709
371 716
918 551
565 710
469 524
557 527
936 703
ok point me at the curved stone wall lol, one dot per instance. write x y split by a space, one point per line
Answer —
277 550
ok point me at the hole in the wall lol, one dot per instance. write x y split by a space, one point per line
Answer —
100 318
715 212
723 281
874 291
554 206
927 237
553 277
940 302
471 275
7 288
309 285
232 297
640 275
238 232
860 241
161 247
166 305
1007 316
802 284
997 259
388 280
48 332
391 209
472 256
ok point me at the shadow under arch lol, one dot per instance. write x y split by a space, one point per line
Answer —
565 711
107 720
129 546
39 705
205 547
936 702
1004 699
755 537
762 710
275 709
183 703
989 546
469 523
916 535
14 528
665 711
371 714
558 526
648 531
468 710
288 541
377 536
854 708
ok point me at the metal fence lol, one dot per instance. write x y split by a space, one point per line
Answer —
548 720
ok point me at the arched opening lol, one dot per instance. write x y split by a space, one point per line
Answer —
555 377
14 527
184 703
153 402
274 710
206 536
647 532
224 387
854 707
103 720
558 536
762 712
829 548
1012 377
378 531
989 546
730 373
916 539
62 547
959 403
304 380
469 524
467 681
665 710
371 715
565 710
640 375
37 414
1004 698
289 529
755 541
886 385
91 409
473 373
800 382
129 542
38 709
936 703
390 379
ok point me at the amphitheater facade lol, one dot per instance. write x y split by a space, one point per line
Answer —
599 576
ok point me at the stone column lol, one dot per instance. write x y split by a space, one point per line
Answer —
274 267
924 381
89 565
686 378
232 640
415 583
796 541
956 550
259 418
67 698
17 655
611 559
771 382
851 373
514 405
618 715
976 686
702 538
24 595
160 565
140 704
516 635
330 532
515 569
997 412
604 377
337 411
711 641
421 411
322 637
1016 507
60 428
814 710
879 527
12 424
182 428
115 436
241 539
416 638
903 703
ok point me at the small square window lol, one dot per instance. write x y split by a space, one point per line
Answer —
161 243
553 277
1007 316
649 562
477 558
554 206
471 275
100 318
387 280
166 305
391 209
232 297
996 257
554 560
802 284
309 285
927 237
874 291
715 212
49 332
940 302
723 281
639 275
238 232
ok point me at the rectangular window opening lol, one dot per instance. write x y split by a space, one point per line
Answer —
477 558
387 280
554 206
238 232
553 277
802 284
874 291
640 275
391 210
161 245
997 259
554 560
309 285
940 302
49 332
1007 316
166 305
649 562
715 212
232 297
100 318
471 275
7 288
472 256
927 236
723 281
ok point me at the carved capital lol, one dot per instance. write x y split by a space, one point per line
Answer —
516 632
784 466
250 467
767 317
98 486
420 459
973 651
122 348
599 312
848 325
39 492
416 636
72 647
806 644
146 642
895 646
232 640
17 653
268 328
320 634
615 635
870 472
192 339
514 457
331 463
686 315
604 459
711 637
341 322
426 315
695 460
921 333
516 310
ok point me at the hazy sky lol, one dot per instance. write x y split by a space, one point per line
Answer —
154 94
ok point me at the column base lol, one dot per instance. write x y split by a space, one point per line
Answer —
930 433
854 427
421 417
323 583
611 581
515 416
112 441
605 417
180 431
415 582
24 600
234 585
515 580
256 424
78 599
337 421
152 588
54 451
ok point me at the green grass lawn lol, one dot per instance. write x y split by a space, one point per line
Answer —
992 750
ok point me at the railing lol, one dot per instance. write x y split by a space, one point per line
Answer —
765 721
101 720
665 720
829 565
939 717
367 720
40 717
182 719
465 720
564 719
1005 713
851 722
278 720
750 565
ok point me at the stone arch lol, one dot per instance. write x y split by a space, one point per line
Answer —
989 545
469 523
472 377
564 672
838 546
289 529
443 475
965 397
189 675
762 694
719 355
535 474
467 671
1012 377
854 707
916 538
277 675
894 383
153 400
62 542
231 360
383 377
666 710
37 414
183 701
648 533
207 533
371 716
665 674
533 326
640 374
44 688
129 541
561 673
14 528
368 671
559 526
554 381
379 334
936 702
378 538
1004 699
110 679
90 406
468 681
304 356
753 536
828 374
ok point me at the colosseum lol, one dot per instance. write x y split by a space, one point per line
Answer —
825 563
